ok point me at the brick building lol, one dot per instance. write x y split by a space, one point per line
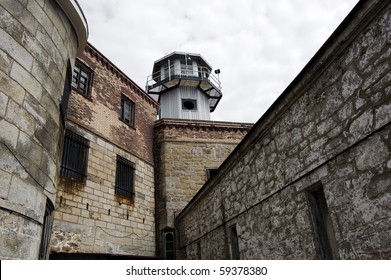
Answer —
105 202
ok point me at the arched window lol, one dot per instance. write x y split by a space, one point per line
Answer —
168 245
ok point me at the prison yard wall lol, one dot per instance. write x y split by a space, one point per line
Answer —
328 135
38 46
185 152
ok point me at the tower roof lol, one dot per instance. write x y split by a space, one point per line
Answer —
175 55
179 69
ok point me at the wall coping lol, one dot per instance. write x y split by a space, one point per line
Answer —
356 21
94 52
75 15
201 124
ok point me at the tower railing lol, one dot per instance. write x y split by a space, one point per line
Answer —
185 72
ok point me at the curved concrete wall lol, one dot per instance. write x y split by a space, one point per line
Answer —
38 40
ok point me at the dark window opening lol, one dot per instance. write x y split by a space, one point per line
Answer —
199 252
127 110
210 172
234 244
322 225
46 231
65 95
74 157
82 79
189 104
169 245
124 178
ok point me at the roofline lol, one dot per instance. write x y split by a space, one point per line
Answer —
111 66
357 20
182 53
76 17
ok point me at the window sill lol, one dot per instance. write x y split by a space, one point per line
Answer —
129 125
88 97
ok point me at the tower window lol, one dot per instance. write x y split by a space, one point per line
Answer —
189 104
321 221
81 79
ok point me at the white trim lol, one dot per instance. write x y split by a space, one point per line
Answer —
75 15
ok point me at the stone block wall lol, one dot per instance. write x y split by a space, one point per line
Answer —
330 128
38 42
91 219
184 149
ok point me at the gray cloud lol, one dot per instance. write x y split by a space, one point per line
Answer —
260 46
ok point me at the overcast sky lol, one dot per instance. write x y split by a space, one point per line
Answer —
259 45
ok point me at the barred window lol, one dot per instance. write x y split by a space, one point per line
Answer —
127 110
46 231
124 178
81 79
74 157
169 245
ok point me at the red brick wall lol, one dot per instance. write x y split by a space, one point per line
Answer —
101 113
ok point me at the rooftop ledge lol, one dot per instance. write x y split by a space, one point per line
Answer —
76 17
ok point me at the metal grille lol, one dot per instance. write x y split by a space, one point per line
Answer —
124 178
74 157
46 231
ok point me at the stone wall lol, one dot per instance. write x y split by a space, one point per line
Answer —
330 128
90 218
184 150
38 41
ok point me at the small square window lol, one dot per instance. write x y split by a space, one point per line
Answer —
189 104
127 110
81 79
124 178
210 172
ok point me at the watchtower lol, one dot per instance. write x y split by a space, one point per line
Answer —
184 86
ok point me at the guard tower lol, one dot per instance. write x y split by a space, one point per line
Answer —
184 86
188 146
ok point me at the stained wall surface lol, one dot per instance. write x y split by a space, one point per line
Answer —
90 218
39 43
184 151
